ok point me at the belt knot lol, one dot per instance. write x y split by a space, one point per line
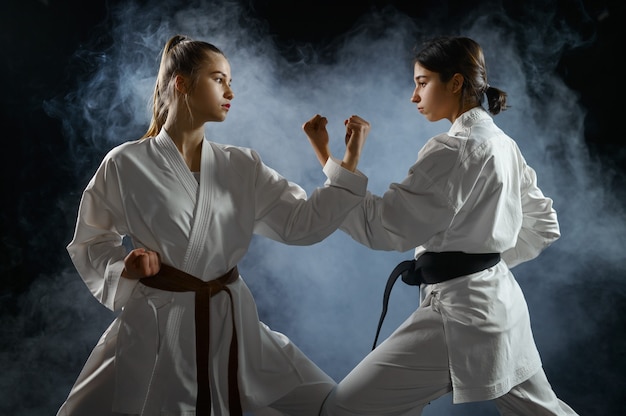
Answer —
435 267
174 280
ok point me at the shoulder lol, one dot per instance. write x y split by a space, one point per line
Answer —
440 144
235 153
485 138
242 162
438 157
125 157
127 149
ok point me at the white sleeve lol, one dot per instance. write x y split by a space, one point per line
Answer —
406 216
284 212
540 226
96 248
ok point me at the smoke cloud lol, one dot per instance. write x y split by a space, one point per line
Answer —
328 297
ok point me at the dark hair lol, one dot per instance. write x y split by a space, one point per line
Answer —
181 56
449 55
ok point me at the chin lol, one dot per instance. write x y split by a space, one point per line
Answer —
218 119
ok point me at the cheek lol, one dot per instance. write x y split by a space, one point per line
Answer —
439 98
207 96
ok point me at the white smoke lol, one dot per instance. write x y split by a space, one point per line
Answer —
327 297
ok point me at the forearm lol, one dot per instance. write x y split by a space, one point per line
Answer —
323 154
351 159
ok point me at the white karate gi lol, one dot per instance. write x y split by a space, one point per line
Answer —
470 190
145 362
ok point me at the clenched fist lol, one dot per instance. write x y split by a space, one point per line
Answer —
315 130
357 130
140 263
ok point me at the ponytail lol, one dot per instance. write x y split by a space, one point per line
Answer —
160 97
496 100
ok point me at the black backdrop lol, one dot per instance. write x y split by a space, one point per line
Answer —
39 40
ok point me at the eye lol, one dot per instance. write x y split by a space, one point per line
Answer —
422 84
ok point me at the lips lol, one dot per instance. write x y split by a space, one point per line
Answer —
226 106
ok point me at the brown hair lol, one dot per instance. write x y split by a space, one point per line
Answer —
181 56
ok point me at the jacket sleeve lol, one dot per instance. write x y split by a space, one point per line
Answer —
97 249
285 213
540 226
410 212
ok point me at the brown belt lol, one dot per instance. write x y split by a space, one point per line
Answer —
174 280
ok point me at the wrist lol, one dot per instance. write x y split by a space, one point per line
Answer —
323 155
350 161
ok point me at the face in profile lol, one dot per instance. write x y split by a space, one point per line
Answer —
435 99
212 93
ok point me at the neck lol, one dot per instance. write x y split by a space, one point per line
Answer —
188 142
462 110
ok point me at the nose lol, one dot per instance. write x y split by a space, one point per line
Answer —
415 98
229 93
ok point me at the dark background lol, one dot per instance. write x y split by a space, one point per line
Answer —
39 40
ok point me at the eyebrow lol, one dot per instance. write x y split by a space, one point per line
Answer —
419 77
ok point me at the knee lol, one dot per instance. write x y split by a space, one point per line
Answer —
330 406
340 402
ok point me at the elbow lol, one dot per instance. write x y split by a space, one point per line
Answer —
551 237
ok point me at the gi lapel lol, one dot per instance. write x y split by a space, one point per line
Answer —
200 227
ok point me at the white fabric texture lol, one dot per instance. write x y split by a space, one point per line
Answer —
144 190
470 190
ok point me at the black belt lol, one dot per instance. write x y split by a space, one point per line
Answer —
432 267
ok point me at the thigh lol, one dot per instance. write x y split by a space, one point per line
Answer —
304 400
92 393
404 373
534 397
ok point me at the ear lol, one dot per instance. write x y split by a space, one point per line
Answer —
456 83
180 83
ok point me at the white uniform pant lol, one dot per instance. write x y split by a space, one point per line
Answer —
92 394
410 369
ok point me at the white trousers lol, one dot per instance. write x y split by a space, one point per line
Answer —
304 400
92 394
410 369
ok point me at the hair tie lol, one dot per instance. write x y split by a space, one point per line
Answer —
178 40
